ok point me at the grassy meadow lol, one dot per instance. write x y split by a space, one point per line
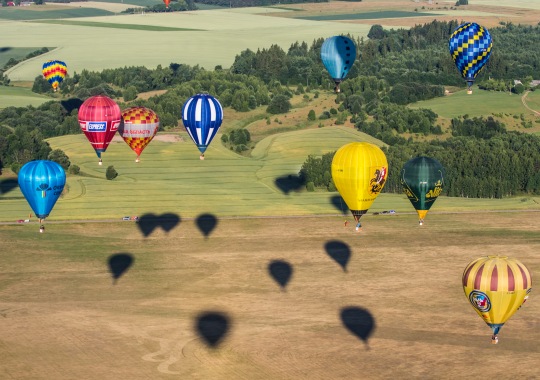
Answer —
171 179
20 97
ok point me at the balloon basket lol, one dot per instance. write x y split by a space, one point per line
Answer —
495 340
201 157
469 92
137 160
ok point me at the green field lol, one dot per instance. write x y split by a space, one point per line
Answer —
149 28
15 14
20 97
225 34
479 103
367 16
171 178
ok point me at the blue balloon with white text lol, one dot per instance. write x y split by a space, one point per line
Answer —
41 183
202 116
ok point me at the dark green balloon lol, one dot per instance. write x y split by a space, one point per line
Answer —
422 179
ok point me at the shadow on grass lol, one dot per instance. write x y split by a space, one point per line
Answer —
340 252
281 271
119 263
206 224
289 183
339 204
359 322
4 49
212 327
149 222
6 185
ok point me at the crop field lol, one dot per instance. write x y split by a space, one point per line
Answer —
503 106
366 16
261 298
488 13
221 34
17 14
225 33
20 97
151 28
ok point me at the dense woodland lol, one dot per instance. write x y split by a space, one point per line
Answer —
394 68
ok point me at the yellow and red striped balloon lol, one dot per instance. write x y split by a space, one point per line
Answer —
139 126
496 286
54 72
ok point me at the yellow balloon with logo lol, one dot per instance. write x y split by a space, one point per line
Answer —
496 286
359 171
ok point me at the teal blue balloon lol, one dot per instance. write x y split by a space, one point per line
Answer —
338 54
41 183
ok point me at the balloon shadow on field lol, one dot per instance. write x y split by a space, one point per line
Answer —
212 327
4 49
149 222
206 224
289 183
119 263
339 251
359 322
71 104
339 204
281 271
6 185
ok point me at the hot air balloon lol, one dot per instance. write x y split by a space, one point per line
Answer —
54 72
99 118
338 54
139 126
470 46
496 286
422 179
202 115
167 3
359 171
41 183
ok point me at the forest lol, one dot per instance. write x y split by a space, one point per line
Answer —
393 68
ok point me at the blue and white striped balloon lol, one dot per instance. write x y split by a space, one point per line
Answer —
202 116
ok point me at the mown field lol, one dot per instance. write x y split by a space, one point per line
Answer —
269 298
171 179
20 97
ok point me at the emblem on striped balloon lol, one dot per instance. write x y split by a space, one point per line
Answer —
480 301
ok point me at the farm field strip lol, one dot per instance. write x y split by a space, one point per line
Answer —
149 28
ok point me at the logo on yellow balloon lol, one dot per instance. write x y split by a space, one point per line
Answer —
480 301
377 181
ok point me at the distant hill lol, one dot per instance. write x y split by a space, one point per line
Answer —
254 3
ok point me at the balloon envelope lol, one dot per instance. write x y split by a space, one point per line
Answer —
496 287
99 118
359 171
338 54
202 115
470 46
54 72
167 2
41 183
422 179
139 126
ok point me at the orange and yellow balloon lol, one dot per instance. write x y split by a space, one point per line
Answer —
139 126
359 171
54 72
496 287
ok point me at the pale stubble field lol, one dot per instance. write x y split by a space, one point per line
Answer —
383 303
